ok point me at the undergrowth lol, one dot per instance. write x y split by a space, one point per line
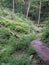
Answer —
16 33
45 35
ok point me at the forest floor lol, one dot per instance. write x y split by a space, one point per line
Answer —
42 53
42 50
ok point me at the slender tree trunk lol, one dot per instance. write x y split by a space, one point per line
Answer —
13 9
27 7
39 13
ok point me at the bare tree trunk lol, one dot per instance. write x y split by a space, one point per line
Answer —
39 13
13 9
27 7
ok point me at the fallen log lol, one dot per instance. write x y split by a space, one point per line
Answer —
42 50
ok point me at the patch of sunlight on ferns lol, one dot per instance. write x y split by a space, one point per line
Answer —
22 27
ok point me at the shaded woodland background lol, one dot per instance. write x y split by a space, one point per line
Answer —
29 8
23 21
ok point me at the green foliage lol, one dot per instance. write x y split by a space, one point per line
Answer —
45 36
15 34
13 24
23 59
30 51
15 45
5 53
4 36
34 8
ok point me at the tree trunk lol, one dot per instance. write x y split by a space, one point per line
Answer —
39 13
27 7
13 9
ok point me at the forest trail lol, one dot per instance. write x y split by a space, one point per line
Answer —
42 50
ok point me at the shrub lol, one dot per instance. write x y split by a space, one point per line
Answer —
14 45
45 35
30 51
9 43
4 36
5 53
22 43
21 60
18 27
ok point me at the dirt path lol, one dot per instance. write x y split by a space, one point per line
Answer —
41 50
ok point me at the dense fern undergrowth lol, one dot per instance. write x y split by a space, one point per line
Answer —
45 35
16 32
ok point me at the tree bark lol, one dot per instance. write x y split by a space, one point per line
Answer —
13 9
27 7
39 13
